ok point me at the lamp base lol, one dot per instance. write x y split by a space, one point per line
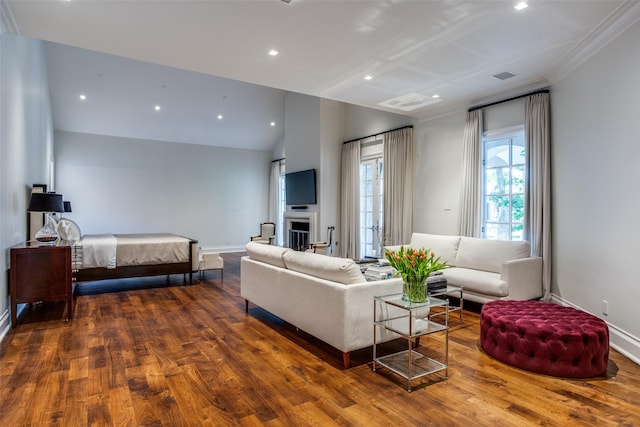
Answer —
48 233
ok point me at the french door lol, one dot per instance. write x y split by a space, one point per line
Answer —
371 207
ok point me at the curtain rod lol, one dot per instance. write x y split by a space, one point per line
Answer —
378 134
277 160
491 104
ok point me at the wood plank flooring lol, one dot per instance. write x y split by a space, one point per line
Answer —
190 356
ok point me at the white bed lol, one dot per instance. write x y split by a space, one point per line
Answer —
115 256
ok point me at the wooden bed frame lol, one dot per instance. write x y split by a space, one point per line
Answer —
127 271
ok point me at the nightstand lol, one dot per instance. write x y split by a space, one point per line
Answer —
40 272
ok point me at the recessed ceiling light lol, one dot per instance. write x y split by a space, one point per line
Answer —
83 97
157 108
273 52
435 96
521 5
368 77
219 116
273 124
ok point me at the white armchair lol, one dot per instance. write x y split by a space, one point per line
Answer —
324 248
267 234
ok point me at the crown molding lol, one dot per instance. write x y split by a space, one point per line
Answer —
611 27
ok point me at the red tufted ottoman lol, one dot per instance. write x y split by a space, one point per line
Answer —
545 338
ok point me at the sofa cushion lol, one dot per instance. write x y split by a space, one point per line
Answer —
341 270
445 247
488 255
477 281
267 253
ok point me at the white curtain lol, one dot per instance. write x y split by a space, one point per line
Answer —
469 219
537 225
397 160
350 201
274 196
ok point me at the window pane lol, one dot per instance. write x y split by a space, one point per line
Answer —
497 153
497 181
517 181
497 208
518 151
497 231
517 206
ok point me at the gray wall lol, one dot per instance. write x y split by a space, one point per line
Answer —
26 144
595 131
121 185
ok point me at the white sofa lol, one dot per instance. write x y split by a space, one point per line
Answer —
324 296
487 269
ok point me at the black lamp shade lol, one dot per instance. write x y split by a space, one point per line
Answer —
67 206
46 202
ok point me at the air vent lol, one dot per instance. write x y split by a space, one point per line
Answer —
504 75
409 102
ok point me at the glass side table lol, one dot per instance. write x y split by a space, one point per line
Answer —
443 293
410 321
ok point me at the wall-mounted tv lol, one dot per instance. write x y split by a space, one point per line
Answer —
301 187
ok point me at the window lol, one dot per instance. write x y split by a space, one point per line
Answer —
371 196
504 177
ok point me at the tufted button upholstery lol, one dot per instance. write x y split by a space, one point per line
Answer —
545 338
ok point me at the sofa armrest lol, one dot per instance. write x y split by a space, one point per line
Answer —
524 278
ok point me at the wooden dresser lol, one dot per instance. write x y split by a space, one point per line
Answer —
40 272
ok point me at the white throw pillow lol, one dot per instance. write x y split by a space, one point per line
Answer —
444 246
488 255
267 253
341 270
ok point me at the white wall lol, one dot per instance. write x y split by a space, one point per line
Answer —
595 138
362 121
121 185
437 169
26 144
333 124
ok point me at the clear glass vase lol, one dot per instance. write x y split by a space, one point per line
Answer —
414 289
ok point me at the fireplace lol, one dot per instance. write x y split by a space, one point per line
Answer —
299 235
299 229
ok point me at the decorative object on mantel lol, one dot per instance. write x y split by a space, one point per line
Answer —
414 266
47 203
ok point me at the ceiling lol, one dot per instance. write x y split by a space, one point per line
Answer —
198 59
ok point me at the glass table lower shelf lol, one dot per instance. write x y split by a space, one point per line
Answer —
420 364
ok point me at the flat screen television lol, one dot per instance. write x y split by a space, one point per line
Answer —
301 187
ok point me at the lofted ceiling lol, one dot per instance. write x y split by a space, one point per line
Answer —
198 59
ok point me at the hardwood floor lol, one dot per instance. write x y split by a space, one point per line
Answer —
190 356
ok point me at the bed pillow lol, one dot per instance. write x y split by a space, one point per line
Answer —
341 270
68 230
267 253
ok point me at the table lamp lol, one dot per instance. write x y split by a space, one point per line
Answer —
47 203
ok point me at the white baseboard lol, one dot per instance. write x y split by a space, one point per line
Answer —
620 340
222 249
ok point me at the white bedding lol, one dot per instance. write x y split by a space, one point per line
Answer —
99 250
114 250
